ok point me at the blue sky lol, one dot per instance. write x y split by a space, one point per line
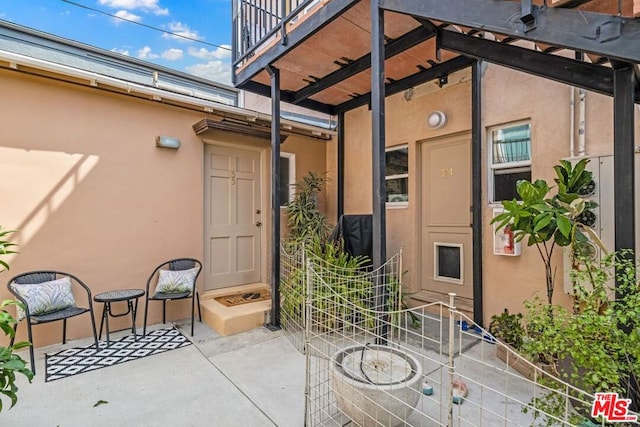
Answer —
208 22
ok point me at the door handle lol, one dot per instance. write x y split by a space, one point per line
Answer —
258 223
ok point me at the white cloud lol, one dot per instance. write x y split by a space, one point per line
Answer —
126 15
180 31
149 6
121 51
145 53
172 54
213 70
216 54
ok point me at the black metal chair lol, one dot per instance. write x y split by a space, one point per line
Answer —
40 278
178 264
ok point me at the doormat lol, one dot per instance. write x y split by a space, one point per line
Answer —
78 360
244 298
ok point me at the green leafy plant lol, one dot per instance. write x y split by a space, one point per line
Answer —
5 246
508 328
597 348
304 218
10 363
344 280
348 292
546 220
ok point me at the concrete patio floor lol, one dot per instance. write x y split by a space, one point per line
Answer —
255 378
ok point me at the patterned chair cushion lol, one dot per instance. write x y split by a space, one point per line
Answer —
176 281
45 297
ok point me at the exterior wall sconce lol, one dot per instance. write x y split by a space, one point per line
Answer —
436 119
167 142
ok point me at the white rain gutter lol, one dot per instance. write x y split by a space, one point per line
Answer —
572 122
93 79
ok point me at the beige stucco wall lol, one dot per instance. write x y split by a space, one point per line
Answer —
89 192
507 96
406 125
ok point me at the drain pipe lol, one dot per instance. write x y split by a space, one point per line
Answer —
582 102
572 122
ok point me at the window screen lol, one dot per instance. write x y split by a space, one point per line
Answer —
510 160
397 174
284 189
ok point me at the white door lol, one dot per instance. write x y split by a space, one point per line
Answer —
232 217
446 234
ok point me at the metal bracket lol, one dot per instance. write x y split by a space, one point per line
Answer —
609 31
270 69
526 15
283 33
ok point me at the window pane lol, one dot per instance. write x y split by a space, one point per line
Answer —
397 190
512 144
449 262
283 191
504 185
397 161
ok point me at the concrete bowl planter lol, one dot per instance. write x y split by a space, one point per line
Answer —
375 385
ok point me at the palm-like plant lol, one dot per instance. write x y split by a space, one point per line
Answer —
303 215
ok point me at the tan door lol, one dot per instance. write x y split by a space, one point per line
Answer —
232 217
446 234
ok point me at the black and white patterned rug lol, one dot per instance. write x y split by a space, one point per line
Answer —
77 360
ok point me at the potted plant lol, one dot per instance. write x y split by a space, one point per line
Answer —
509 331
10 363
597 347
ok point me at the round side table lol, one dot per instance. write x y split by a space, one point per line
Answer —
130 296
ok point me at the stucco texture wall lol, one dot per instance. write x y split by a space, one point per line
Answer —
406 123
88 191
507 96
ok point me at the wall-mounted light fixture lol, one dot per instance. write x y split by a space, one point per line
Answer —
167 142
436 119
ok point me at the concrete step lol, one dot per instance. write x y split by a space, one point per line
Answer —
240 318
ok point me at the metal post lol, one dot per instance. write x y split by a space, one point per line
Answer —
235 26
378 158
452 337
274 73
308 296
623 160
476 187
283 22
340 172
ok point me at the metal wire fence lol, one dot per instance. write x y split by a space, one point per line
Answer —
372 364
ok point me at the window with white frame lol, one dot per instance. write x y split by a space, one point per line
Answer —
287 188
397 175
510 159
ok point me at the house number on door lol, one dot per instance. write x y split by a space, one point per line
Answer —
446 172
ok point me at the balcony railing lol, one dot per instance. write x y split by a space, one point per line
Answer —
257 21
